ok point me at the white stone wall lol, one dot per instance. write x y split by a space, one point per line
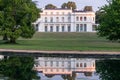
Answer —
65 17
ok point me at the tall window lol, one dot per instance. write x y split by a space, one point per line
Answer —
57 28
69 19
45 19
77 27
85 27
46 29
85 18
80 18
85 65
57 63
63 29
36 27
81 27
63 20
77 18
69 28
81 65
57 19
51 28
51 19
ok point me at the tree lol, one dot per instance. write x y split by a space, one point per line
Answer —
18 68
88 8
110 22
50 6
64 6
17 17
69 5
108 69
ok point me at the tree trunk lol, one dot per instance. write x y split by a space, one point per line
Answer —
12 40
5 37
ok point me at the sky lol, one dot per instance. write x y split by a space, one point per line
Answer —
80 3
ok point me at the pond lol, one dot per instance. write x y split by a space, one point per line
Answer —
75 68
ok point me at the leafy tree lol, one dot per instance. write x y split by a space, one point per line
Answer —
110 22
69 5
88 8
18 68
17 17
64 6
108 69
50 6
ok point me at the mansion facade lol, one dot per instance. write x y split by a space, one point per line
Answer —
65 20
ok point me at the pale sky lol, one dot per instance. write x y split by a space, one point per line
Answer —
80 3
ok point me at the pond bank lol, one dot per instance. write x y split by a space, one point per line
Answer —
91 54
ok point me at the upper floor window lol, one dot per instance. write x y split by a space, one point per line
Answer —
69 19
85 65
57 13
57 19
85 18
63 19
77 18
63 13
80 18
51 19
45 19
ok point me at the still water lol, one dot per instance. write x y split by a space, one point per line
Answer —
68 68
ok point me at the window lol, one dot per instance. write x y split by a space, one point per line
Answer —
69 28
46 29
51 19
81 27
57 63
51 28
63 13
77 18
45 19
63 63
94 27
57 13
36 27
51 63
45 63
57 28
69 19
80 18
85 65
85 27
57 19
77 27
80 64
63 29
63 19
85 18
77 65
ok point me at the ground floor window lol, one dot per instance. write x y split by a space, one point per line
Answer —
57 28
94 27
77 27
63 28
81 27
46 29
69 28
85 27
51 28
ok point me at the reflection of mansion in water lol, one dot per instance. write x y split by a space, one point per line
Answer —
50 65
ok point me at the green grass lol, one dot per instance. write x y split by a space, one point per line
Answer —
64 41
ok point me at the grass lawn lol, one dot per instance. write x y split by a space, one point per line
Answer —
64 41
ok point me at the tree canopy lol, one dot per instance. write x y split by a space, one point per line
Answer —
109 26
50 6
69 5
16 18
18 68
108 69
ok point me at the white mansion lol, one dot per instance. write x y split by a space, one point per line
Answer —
65 20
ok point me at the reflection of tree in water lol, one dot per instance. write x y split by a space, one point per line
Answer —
18 68
108 69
